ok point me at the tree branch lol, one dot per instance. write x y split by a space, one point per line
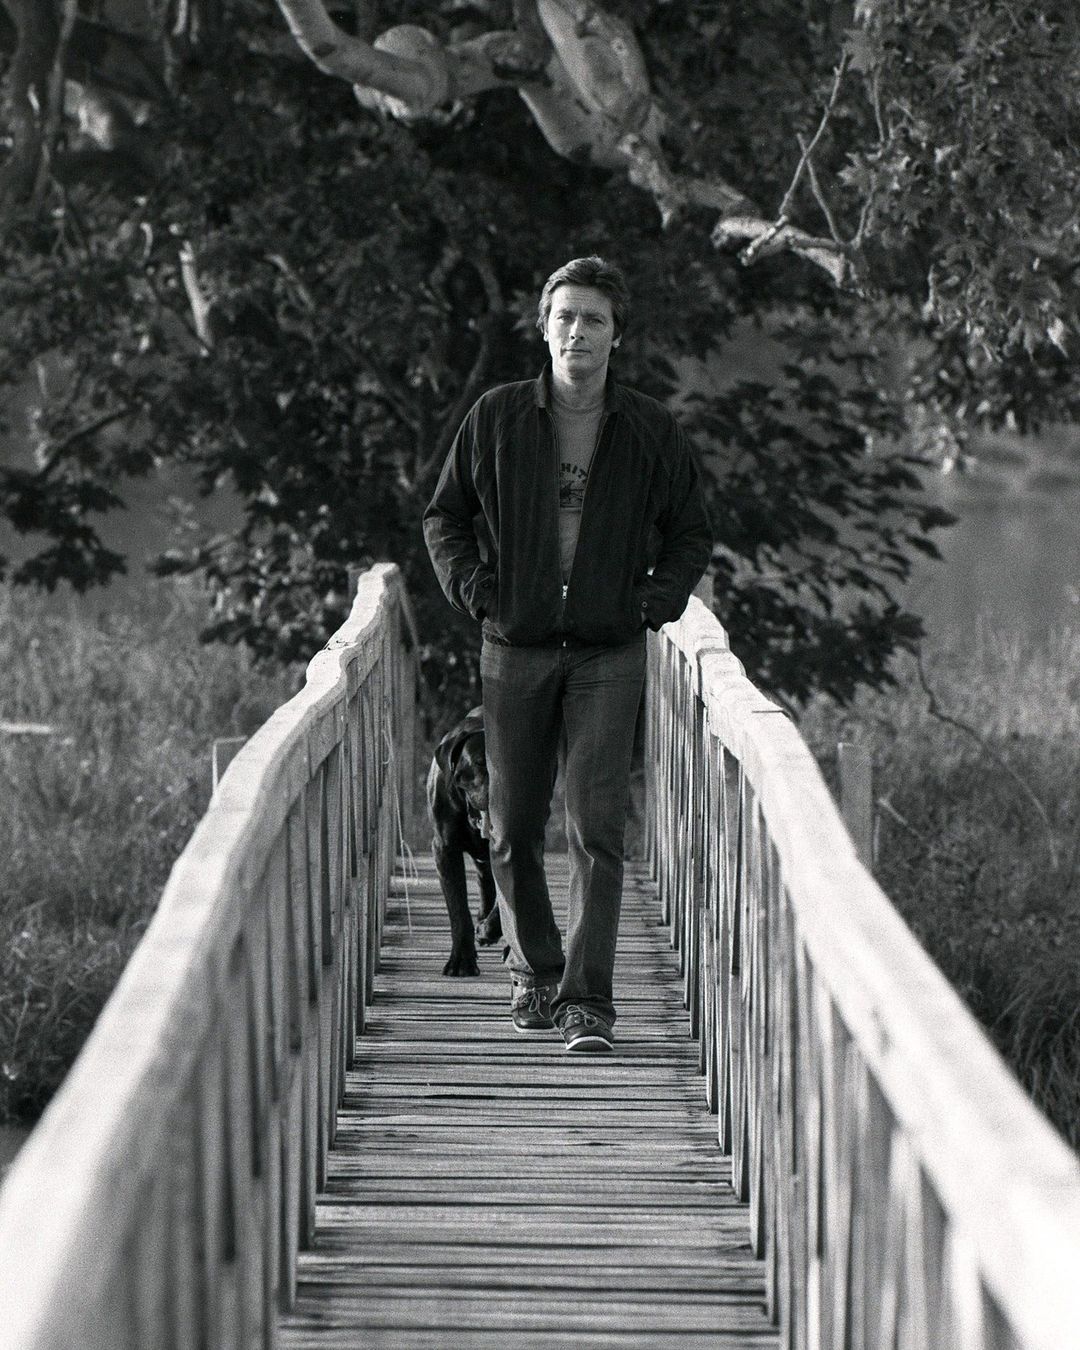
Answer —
407 72
808 149
769 237
56 451
200 306
582 76
36 36
819 197
54 111
297 283
470 390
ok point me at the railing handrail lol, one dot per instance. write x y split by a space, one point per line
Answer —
1009 1185
99 1148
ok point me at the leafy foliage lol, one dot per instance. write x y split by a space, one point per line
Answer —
301 299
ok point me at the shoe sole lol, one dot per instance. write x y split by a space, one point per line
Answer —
532 1031
589 1045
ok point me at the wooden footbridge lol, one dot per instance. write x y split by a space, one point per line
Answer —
288 1130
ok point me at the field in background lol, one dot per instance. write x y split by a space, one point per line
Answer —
104 770
978 825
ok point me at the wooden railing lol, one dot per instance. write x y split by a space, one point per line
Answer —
161 1200
902 1188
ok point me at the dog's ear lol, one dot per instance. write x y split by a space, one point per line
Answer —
456 751
446 753
473 743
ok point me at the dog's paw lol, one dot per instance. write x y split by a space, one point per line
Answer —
489 931
461 964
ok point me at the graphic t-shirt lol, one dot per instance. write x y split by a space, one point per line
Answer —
577 430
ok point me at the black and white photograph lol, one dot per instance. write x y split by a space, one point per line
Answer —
540 636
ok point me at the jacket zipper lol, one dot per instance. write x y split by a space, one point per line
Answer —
555 466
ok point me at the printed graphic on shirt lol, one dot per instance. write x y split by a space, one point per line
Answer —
572 479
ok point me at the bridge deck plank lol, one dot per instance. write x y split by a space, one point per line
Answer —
487 1189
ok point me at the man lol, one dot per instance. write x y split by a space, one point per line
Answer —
568 517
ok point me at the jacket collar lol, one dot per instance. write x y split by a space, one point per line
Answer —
543 390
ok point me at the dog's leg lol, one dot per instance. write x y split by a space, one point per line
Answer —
450 865
488 918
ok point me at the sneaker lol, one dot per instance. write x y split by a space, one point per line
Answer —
583 1031
530 1007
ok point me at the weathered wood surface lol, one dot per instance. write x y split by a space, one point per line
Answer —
160 1201
488 1189
904 1191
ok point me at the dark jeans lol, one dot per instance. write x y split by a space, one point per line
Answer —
533 697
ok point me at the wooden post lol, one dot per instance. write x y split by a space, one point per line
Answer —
222 755
857 797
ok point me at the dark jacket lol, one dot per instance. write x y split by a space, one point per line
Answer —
492 526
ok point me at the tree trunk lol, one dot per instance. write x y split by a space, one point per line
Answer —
37 33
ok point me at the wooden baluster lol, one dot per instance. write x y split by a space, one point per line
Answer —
650 754
710 836
218 1199
242 1132
922 1314
783 1183
736 1007
731 1139
148 1253
303 901
186 1273
266 1134
350 968
841 1154
806 1093
294 1200
283 1153
755 979
330 908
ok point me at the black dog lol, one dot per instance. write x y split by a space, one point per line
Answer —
457 793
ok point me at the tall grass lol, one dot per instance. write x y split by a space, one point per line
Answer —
93 814
979 837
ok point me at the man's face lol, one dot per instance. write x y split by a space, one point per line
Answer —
580 332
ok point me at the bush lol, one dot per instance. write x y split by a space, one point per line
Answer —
94 813
978 841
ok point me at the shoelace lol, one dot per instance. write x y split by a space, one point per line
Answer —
576 1011
530 998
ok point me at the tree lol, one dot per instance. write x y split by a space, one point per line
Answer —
297 281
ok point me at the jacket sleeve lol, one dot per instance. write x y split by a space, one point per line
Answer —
686 540
449 530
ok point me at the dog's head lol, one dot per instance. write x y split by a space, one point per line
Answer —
470 777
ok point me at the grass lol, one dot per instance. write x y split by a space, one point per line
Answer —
93 814
978 830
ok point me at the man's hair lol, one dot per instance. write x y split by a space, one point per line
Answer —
591 271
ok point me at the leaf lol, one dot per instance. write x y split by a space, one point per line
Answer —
1057 333
863 56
